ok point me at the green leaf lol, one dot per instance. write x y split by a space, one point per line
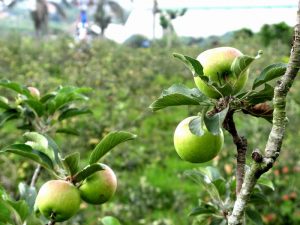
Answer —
254 216
110 220
243 95
197 70
48 97
210 173
15 87
10 209
191 63
71 131
87 171
218 221
269 73
196 176
2 192
196 126
221 88
214 123
5 213
220 184
36 106
241 63
71 112
261 96
203 219
258 198
28 194
66 95
56 150
4 103
264 181
20 207
37 138
71 163
39 142
8 115
33 219
202 179
211 179
206 209
179 95
27 152
109 142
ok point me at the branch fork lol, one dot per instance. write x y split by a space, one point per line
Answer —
263 162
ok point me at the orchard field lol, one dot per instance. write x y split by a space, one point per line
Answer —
125 80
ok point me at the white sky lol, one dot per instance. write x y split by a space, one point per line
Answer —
206 17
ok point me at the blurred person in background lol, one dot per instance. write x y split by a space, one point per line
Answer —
82 25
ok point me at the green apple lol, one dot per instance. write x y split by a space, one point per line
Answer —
216 65
34 92
193 148
99 187
58 200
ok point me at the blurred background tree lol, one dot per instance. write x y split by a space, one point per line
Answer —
108 12
39 12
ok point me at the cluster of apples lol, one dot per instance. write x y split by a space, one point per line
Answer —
59 200
216 65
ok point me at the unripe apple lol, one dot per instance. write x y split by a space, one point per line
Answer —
34 92
216 65
193 148
99 187
58 200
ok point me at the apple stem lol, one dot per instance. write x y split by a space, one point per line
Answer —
241 147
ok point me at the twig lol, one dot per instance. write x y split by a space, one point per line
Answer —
276 135
35 175
38 126
51 222
241 147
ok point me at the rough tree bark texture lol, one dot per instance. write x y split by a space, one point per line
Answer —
263 163
241 147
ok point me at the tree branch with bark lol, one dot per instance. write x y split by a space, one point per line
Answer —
263 162
241 147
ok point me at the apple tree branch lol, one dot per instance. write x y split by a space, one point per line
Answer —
263 162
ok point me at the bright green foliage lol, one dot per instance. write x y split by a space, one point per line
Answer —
219 73
12 211
125 81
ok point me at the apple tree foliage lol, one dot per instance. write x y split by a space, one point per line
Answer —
40 118
255 101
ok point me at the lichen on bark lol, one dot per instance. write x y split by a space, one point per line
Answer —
276 135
